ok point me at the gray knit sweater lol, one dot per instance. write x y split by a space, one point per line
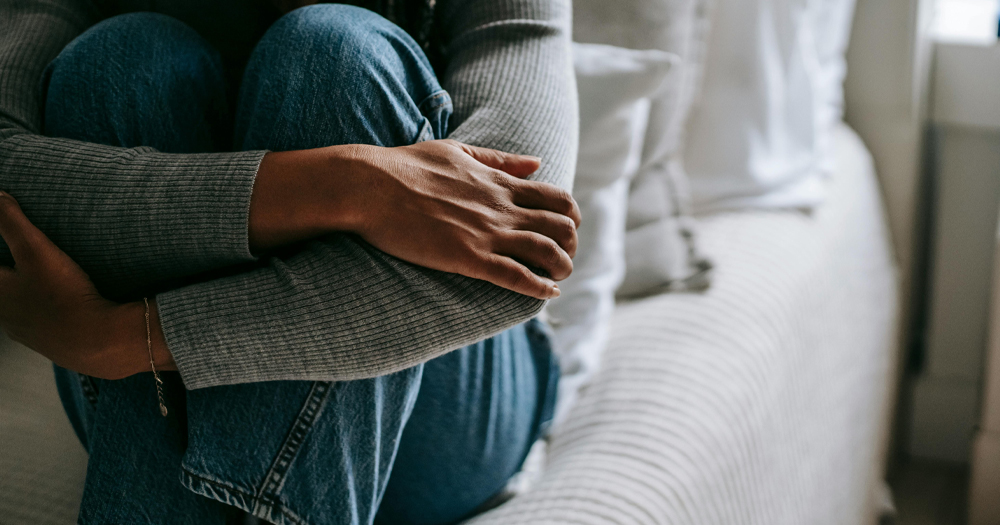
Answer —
337 309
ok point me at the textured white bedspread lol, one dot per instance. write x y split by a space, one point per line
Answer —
761 401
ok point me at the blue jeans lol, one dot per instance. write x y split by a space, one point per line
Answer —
426 445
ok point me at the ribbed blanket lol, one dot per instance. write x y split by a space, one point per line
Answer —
761 401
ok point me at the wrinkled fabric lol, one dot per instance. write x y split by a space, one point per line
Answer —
440 438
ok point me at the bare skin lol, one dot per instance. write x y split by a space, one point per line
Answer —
439 204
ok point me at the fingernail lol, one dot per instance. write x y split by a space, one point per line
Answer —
555 292
534 158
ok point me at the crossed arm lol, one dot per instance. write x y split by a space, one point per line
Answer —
338 308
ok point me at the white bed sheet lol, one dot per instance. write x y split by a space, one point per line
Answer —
761 401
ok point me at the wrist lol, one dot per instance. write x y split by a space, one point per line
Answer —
126 352
351 186
299 195
122 342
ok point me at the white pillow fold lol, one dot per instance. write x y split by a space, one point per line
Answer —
614 85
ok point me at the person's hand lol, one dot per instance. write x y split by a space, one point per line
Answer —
48 304
439 204
467 210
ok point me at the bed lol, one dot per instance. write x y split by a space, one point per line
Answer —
761 401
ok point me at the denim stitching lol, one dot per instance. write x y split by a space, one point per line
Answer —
87 387
236 497
426 133
267 500
307 416
442 98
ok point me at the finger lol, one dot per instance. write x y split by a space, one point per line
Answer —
21 236
545 196
519 166
512 275
555 226
537 251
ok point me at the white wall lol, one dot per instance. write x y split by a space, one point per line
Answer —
886 90
965 112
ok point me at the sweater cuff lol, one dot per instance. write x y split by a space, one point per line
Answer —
195 337
207 217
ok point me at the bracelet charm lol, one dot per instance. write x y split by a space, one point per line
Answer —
156 375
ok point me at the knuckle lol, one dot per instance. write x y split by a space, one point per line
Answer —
502 206
570 246
567 229
550 252
506 182
566 200
540 243
520 277
564 270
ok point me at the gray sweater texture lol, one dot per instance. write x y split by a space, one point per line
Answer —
337 309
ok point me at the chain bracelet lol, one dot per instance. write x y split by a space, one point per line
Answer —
156 375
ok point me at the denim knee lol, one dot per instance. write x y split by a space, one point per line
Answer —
138 79
336 74
359 38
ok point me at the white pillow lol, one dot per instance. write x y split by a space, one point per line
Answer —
759 137
831 21
614 85
661 252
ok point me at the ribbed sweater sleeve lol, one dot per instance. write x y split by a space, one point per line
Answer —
510 75
340 309
129 217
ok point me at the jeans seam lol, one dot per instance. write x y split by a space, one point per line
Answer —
87 387
267 498
261 502
442 95
276 475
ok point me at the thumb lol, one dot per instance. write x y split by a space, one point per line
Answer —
22 237
519 166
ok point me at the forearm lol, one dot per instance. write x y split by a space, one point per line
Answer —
339 310
531 38
127 351
136 218
132 217
300 195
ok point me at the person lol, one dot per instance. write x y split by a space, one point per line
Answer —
328 227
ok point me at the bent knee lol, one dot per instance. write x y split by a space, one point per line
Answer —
151 48
333 74
329 23
128 79
355 39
